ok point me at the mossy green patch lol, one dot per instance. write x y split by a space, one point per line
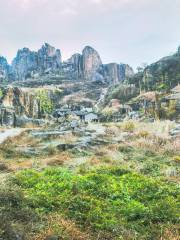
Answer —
103 199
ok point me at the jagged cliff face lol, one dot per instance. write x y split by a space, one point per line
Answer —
27 101
114 73
22 101
89 66
49 58
47 61
4 69
28 63
91 62
24 64
76 65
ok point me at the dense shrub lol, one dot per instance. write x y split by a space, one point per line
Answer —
104 200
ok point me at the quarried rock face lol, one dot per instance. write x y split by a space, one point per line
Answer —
91 62
22 100
29 101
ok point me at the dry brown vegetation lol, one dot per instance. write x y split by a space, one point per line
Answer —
66 229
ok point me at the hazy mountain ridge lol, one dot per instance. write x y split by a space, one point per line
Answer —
86 66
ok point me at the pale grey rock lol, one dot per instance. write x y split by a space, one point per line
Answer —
48 58
47 62
4 69
28 63
24 64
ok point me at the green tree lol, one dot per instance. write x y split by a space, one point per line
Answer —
1 93
46 105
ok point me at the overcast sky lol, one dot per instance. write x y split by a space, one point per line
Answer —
129 31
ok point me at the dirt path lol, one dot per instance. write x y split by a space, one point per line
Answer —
4 134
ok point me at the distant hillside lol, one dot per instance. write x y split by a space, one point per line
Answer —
161 75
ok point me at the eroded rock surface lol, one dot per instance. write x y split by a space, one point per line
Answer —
28 63
46 62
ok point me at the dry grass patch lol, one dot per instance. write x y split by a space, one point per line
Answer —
60 228
58 159
128 126
15 166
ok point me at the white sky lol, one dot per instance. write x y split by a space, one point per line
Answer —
129 31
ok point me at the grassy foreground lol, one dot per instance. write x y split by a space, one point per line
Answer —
108 203
124 188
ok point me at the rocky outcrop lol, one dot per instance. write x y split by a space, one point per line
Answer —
29 101
27 63
162 75
47 62
91 62
24 64
25 103
76 65
114 73
4 69
86 65
22 101
49 58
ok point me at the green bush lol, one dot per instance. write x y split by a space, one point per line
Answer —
103 199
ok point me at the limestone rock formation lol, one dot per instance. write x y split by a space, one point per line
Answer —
49 58
4 69
28 101
26 63
114 73
77 65
21 100
91 62
47 62
162 75
86 65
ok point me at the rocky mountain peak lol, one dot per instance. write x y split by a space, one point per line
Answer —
47 61
91 62
49 58
4 68
28 62
179 50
